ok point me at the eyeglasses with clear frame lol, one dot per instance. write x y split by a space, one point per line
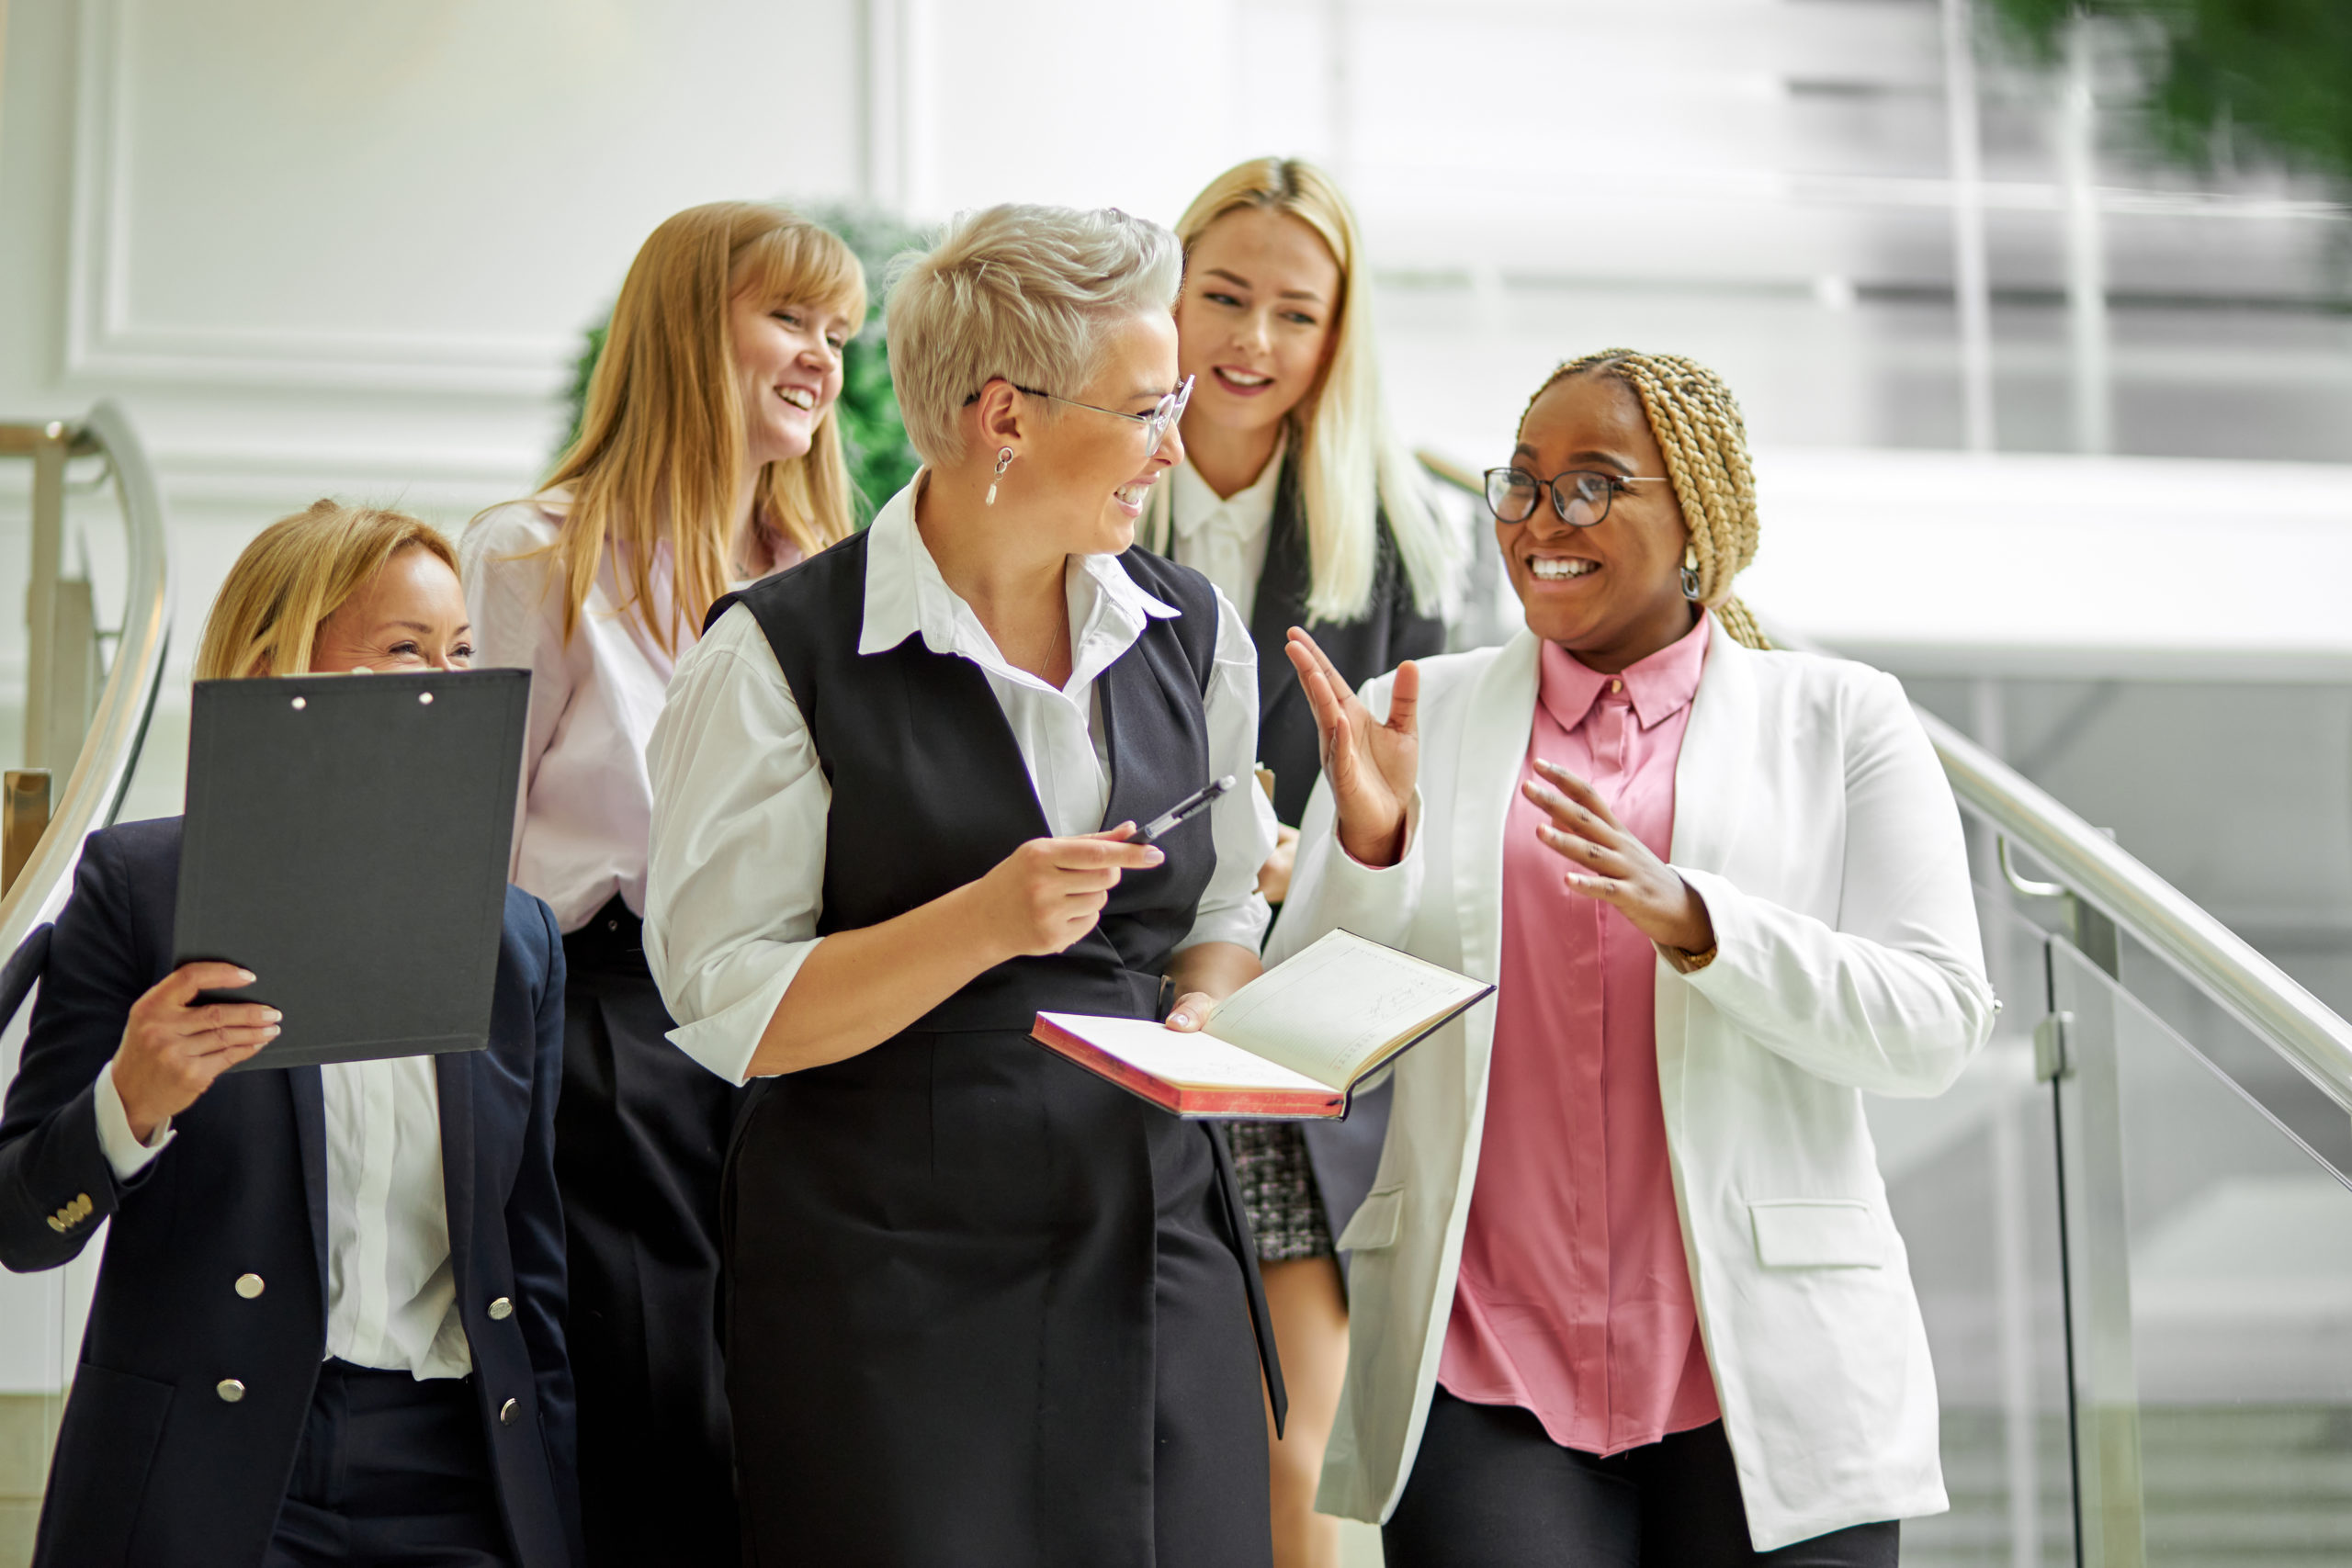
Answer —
1580 496
1165 412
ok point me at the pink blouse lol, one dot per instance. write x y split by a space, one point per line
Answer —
586 810
1574 1299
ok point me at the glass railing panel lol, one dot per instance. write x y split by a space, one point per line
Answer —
2270 1078
1972 1176
2209 1257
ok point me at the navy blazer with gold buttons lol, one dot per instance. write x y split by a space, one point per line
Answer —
209 1325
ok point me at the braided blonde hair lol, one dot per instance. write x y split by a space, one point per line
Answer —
1698 427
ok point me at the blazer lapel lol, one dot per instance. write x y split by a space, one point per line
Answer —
454 1077
1717 747
1493 747
1281 595
1709 802
311 1139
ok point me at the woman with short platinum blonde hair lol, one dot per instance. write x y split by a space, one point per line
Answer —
985 1307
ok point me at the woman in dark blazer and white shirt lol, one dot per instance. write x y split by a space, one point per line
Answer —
1627 1289
1298 502
328 1325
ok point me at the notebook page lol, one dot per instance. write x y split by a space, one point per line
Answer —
1189 1061
1331 1008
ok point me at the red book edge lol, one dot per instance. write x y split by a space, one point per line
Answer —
1321 1105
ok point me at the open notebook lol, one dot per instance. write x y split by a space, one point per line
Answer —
1290 1045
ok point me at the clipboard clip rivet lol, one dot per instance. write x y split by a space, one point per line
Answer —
424 697
301 702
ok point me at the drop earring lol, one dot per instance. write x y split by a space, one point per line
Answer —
1003 461
1690 573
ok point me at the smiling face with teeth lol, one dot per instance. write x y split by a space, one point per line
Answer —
1262 293
1611 594
1079 476
788 366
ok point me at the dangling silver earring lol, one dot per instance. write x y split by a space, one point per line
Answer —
1003 461
1690 573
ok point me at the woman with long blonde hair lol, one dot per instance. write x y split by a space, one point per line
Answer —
709 455
1298 502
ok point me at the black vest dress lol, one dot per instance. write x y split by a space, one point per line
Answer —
985 1307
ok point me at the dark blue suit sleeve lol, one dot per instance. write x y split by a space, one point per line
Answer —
535 1235
55 1183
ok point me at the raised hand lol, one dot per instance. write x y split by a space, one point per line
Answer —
1049 892
1611 864
171 1052
1371 765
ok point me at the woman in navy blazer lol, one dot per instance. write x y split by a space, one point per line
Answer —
245 1393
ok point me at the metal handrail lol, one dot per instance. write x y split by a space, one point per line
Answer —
2215 959
2171 925
94 791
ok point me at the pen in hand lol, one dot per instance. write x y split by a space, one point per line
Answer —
1184 810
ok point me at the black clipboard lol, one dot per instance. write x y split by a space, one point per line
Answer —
347 840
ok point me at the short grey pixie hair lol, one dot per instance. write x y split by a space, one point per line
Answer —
1025 292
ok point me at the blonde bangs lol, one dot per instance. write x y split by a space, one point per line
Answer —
293 576
804 264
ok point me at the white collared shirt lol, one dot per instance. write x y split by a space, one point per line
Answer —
392 1293
737 874
1223 537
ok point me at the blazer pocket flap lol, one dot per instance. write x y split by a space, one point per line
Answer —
1376 1223
1817 1233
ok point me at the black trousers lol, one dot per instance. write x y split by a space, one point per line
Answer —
1490 1489
640 1135
391 1472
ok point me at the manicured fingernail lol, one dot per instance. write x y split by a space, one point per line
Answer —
1152 856
1181 1019
244 977
271 1031
274 1016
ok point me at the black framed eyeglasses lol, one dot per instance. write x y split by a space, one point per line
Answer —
1581 496
1164 413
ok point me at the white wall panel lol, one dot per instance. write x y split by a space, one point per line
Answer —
349 249
428 195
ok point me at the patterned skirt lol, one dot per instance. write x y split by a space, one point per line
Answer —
1278 1189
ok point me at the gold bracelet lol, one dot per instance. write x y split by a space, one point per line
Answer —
1688 963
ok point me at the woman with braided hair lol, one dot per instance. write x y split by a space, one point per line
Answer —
1627 1289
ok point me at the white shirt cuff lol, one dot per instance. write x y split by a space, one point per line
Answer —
726 1039
125 1153
1408 852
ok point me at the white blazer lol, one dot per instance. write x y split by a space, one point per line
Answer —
1810 815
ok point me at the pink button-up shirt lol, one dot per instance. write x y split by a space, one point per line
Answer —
1574 1299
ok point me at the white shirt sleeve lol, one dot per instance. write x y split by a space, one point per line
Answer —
124 1152
1242 822
737 874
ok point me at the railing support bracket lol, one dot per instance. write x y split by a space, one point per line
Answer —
2050 1062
